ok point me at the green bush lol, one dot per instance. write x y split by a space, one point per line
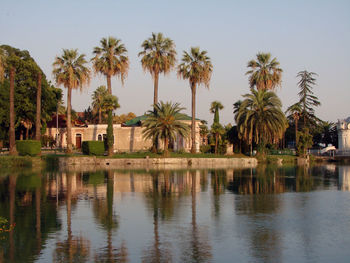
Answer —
205 149
28 147
93 148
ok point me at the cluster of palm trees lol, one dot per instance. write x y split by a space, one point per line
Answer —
110 59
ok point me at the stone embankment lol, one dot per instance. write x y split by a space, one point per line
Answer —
93 163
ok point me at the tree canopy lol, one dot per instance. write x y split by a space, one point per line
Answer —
25 90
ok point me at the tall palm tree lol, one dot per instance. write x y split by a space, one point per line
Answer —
158 56
97 100
111 60
196 67
260 118
164 123
215 107
265 73
295 112
70 70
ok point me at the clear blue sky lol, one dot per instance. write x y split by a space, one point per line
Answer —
302 34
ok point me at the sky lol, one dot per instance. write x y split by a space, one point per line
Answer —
312 35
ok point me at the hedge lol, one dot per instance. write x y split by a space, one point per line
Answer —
93 148
28 147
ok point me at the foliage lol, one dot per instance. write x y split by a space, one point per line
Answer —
97 101
307 99
164 122
25 91
122 118
305 142
205 149
93 148
260 118
217 130
158 56
110 136
265 73
28 147
215 107
47 140
110 59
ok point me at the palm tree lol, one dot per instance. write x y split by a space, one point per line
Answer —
196 68
109 104
111 60
307 100
97 100
294 112
260 118
214 108
158 56
217 130
164 123
70 70
264 73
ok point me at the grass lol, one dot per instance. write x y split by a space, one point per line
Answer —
285 158
17 161
172 155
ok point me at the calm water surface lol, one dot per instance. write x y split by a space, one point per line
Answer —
265 214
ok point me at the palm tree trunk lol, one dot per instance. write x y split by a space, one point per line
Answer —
38 110
27 133
156 79
69 122
109 84
12 140
166 145
99 115
193 127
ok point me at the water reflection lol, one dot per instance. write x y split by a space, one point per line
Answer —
174 209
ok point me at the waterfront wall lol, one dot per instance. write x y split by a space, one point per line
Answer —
95 163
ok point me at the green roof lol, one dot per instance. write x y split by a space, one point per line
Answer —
137 121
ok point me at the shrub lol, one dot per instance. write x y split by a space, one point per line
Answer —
205 148
28 147
93 148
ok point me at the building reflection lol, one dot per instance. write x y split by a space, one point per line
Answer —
344 178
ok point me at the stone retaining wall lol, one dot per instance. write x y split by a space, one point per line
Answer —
93 163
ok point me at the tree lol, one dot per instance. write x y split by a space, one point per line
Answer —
122 118
215 107
158 56
295 112
307 99
216 128
2 64
111 60
260 118
196 67
12 150
203 131
265 73
97 100
70 70
26 91
38 109
109 104
305 142
164 122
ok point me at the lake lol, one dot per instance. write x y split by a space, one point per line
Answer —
262 214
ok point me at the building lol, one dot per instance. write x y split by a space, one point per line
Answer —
127 137
343 128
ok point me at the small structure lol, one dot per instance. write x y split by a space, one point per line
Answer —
127 136
343 128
